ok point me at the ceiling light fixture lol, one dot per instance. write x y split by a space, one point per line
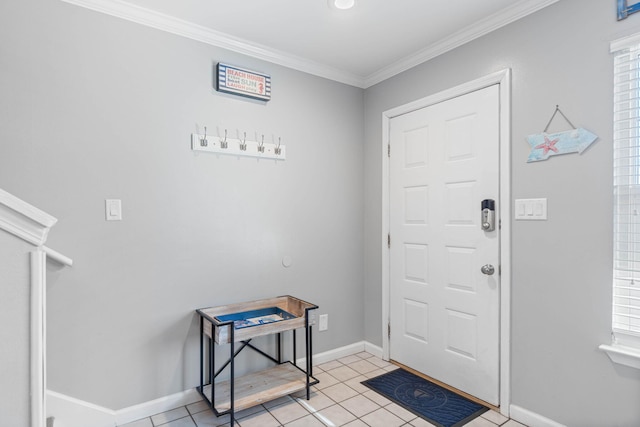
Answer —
342 4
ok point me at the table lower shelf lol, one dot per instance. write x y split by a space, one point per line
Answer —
259 387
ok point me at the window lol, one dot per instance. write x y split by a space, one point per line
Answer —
626 185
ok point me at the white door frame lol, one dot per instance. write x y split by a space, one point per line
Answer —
503 79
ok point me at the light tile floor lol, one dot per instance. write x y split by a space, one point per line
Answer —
338 400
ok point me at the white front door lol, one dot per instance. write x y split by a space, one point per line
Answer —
444 312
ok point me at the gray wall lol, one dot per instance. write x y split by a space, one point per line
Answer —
561 281
15 306
94 107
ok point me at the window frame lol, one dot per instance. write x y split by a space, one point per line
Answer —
625 319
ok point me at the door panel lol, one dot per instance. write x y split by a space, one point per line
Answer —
444 312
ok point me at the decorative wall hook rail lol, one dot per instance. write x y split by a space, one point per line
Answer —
624 10
240 146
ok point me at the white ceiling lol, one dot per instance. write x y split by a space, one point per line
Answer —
362 46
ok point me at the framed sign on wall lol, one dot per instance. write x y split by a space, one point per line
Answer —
625 9
243 82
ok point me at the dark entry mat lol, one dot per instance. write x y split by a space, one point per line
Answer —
435 404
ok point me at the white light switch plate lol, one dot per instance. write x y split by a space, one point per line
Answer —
113 210
531 209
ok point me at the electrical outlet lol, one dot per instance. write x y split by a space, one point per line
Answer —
324 322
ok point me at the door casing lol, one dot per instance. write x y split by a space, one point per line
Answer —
503 79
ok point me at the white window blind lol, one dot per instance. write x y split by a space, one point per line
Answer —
626 183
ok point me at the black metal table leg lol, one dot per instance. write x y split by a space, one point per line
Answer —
279 346
310 354
294 348
201 354
212 359
307 336
233 373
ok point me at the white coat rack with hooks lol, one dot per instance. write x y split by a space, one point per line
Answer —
239 146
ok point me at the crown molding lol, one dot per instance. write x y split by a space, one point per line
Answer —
23 220
468 34
170 24
180 27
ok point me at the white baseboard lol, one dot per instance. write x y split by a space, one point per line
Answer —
531 419
345 351
336 353
163 404
72 412
373 349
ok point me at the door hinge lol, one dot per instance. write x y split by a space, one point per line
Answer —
388 150
389 330
389 240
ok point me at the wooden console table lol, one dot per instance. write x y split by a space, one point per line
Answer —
240 323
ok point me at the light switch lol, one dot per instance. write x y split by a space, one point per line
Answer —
537 209
113 209
531 209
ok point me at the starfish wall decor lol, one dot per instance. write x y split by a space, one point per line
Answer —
543 145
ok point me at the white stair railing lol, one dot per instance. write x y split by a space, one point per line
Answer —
25 222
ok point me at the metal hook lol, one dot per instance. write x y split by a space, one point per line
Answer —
243 143
278 150
203 141
224 144
261 146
